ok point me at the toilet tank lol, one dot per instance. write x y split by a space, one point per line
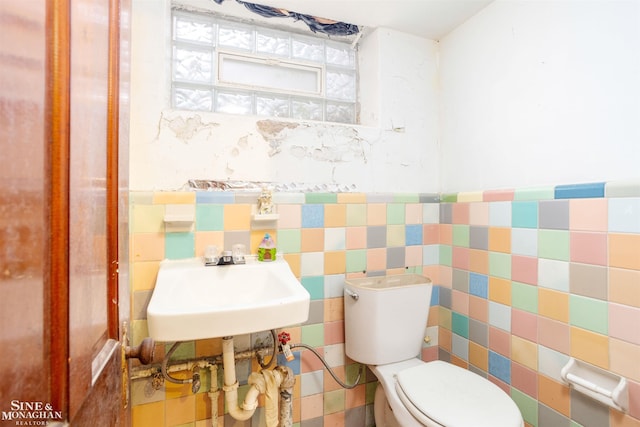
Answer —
385 317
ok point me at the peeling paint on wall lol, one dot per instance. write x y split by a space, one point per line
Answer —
184 128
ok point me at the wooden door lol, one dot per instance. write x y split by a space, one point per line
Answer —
63 232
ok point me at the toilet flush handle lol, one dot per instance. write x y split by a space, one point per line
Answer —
352 294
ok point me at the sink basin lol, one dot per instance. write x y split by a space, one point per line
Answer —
191 301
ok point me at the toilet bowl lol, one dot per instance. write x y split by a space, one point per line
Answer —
385 318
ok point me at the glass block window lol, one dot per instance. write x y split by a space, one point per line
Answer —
226 66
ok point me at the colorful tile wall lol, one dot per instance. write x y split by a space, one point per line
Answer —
559 260
325 238
525 278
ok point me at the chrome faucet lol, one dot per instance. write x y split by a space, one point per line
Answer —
226 258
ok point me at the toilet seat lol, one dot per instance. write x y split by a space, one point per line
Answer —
441 393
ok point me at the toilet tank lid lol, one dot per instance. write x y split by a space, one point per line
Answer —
391 281
456 397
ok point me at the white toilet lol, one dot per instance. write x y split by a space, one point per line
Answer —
385 319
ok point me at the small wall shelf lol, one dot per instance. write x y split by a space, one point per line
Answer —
179 218
264 221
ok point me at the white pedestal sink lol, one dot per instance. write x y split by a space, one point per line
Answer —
191 301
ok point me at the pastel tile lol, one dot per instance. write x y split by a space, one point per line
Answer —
470 196
589 346
461 235
395 213
527 406
500 214
356 214
479 261
499 239
553 304
320 198
144 274
524 214
174 197
147 247
237 217
588 247
446 234
534 193
479 213
209 217
356 237
524 379
500 316
623 323
588 280
524 269
624 215
312 216
396 235
431 255
500 341
148 415
351 198
553 274
335 215
478 356
479 309
180 411
413 256
524 324
500 367
376 237
289 240
588 214
554 244
460 213
626 188
478 285
376 259
524 241
500 265
555 395
413 213
624 286
624 359
376 214
624 251
334 239
498 195
396 259
524 297
312 240
356 260
478 237
553 214
555 336
405 198
413 234
334 262
460 258
430 234
580 191
551 362
500 290
147 218
524 352
589 313
312 264
431 213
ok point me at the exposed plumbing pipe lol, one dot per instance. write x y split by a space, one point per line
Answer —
326 365
230 386
286 395
213 394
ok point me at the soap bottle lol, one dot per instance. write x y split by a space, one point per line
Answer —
267 249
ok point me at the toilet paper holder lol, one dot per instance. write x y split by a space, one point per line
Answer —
597 383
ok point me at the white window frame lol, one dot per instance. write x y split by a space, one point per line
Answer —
317 69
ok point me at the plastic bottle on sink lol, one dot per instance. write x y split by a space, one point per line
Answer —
267 249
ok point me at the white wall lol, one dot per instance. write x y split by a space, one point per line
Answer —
395 150
541 93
